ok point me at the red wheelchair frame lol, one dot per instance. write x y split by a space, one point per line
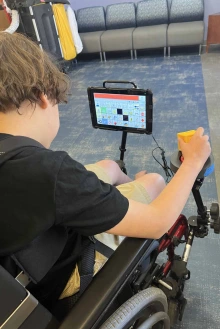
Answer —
171 276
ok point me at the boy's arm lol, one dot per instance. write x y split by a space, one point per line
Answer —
155 219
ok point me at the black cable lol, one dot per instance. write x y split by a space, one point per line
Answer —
164 165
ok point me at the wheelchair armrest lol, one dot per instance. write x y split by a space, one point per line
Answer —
106 285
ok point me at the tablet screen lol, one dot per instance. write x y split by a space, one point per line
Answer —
128 110
120 110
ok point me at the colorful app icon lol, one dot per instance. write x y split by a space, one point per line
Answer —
104 121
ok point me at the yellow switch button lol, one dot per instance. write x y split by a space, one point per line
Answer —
185 136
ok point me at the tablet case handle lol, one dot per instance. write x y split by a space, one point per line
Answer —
124 82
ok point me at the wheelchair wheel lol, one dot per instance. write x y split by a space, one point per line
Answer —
145 310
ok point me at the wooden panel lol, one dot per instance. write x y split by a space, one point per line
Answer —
213 30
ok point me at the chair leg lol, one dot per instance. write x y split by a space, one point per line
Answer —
165 51
207 47
135 54
104 56
132 56
168 51
200 50
101 56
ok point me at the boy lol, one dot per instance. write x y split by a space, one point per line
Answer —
41 189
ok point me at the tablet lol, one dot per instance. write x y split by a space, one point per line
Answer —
121 109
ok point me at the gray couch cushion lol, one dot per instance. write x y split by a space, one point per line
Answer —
91 19
91 41
186 11
115 40
150 37
120 16
185 34
152 12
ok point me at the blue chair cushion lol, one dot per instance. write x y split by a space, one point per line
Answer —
186 11
91 19
152 12
120 16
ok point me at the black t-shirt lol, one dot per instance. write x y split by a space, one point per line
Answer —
40 188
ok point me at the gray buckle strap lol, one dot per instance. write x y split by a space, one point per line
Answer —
23 279
21 313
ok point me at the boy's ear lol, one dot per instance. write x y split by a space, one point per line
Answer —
43 101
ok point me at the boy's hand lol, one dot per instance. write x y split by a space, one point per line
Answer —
197 151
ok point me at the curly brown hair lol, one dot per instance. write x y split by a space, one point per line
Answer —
26 72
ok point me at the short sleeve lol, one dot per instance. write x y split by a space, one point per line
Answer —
85 203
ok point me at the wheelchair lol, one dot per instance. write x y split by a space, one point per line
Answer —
132 290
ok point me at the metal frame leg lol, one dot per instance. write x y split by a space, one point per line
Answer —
165 51
168 51
135 54
104 56
200 50
101 56
132 56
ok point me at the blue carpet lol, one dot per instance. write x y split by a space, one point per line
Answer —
180 105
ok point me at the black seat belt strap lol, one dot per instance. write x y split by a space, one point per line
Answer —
103 249
88 260
87 267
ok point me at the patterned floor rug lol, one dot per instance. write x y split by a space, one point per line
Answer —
179 105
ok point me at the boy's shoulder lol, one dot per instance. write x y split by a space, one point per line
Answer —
41 160
22 152
31 161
